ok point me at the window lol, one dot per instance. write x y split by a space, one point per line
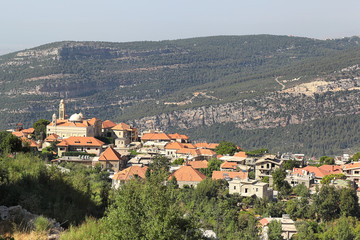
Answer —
356 172
267 165
88 148
262 166
234 187
246 190
257 189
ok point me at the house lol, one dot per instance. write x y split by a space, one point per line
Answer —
30 143
141 160
266 165
205 145
51 139
240 154
111 159
106 128
179 138
127 174
198 164
288 228
300 158
248 188
80 144
195 154
318 172
352 171
187 175
76 125
228 176
125 134
229 166
156 137
172 148
297 177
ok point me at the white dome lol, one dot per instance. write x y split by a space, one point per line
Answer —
75 118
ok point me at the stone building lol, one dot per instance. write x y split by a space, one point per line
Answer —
76 125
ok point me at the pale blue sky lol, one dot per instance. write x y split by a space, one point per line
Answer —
26 24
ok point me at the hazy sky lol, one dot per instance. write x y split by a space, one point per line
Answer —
26 24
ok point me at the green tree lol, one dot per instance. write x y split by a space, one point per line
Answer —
213 165
328 178
40 128
178 161
301 190
173 182
280 184
147 211
274 230
349 205
327 160
160 164
251 175
265 179
343 230
11 143
356 157
226 148
290 164
305 231
325 203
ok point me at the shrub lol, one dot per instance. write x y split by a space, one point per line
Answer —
42 224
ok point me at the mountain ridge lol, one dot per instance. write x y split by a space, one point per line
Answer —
151 84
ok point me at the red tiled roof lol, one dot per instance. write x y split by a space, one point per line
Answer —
177 145
108 124
264 222
188 174
28 130
207 152
198 164
240 154
18 134
352 165
178 136
67 123
52 138
31 142
196 152
319 172
332 168
206 145
229 165
155 136
110 154
222 174
122 126
80 141
92 121
130 172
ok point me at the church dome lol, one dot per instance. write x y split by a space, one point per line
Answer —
75 118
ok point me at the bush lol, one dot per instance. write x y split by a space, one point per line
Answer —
42 224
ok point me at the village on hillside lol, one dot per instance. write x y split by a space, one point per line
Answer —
127 153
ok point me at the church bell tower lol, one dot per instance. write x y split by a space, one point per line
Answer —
62 110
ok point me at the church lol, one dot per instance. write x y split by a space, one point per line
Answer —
75 126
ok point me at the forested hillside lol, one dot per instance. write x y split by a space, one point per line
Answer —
246 82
